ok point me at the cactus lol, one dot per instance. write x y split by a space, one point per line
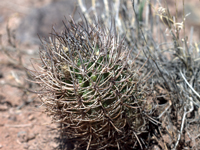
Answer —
93 87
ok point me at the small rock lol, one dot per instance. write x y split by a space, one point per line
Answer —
7 135
26 146
25 137
31 137
54 145
31 117
22 135
12 117
31 148
3 107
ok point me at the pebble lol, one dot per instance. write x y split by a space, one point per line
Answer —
31 117
7 135
3 107
31 136
22 135
12 117
26 146
25 137
54 145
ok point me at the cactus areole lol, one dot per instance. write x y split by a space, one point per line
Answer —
91 85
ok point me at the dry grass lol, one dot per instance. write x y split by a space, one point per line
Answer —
174 61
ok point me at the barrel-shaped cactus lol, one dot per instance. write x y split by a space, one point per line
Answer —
93 87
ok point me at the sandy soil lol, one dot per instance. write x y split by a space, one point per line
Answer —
23 124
